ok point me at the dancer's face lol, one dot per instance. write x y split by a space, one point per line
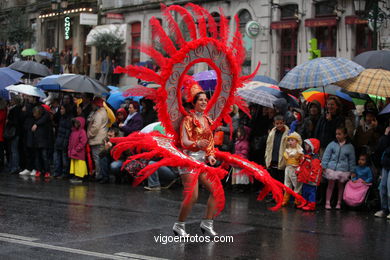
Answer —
201 103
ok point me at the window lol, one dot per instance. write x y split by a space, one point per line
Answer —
364 38
326 35
245 17
135 42
289 11
288 39
325 8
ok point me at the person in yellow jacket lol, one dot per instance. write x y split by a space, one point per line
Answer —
293 154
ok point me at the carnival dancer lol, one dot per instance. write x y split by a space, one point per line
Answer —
197 141
189 142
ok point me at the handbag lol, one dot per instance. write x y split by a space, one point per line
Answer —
9 132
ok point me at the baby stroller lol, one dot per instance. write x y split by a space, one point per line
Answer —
356 193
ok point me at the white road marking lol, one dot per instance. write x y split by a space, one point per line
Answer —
18 237
66 249
139 256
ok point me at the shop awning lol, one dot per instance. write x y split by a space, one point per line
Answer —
118 29
321 22
288 24
353 19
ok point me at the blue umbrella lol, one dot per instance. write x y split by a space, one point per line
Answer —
265 79
9 77
386 110
116 99
50 83
320 72
45 54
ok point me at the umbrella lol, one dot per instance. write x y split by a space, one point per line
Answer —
361 99
374 59
9 77
140 91
27 90
153 127
320 72
331 90
265 79
31 68
370 81
278 93
29 52
257 96
206 79
386 110
74 82
116 99
45 54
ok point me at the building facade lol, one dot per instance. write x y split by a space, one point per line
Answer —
287 30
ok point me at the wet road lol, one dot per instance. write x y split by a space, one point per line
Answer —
58 220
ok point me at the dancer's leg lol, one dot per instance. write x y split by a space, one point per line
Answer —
211 208
185 209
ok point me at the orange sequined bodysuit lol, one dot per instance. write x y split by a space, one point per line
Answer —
195 132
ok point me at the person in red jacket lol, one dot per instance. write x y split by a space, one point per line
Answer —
77 150
309 173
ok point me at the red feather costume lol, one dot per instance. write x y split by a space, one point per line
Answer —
207 45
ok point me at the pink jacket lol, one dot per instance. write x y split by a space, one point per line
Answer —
78 141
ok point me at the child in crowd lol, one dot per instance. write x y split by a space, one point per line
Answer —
276 144
309 173
293 154
362 171
42 134
77 150
241 148
356 189
339 162
61 160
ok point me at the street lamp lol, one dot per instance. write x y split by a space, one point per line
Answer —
58 6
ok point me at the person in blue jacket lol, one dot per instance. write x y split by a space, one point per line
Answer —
338 163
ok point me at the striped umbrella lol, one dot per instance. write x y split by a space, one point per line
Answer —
370 81
258 97
320 72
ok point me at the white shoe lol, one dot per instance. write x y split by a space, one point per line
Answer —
380 214
25 172
388 216
33 172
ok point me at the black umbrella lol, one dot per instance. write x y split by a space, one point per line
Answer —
82 84
374 59
31 69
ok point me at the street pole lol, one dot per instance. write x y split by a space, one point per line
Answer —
56 55
375 14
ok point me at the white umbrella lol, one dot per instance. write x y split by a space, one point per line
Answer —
27 90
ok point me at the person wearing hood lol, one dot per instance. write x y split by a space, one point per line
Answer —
309 173
121 115
77 150
310 121
281 106
241 148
